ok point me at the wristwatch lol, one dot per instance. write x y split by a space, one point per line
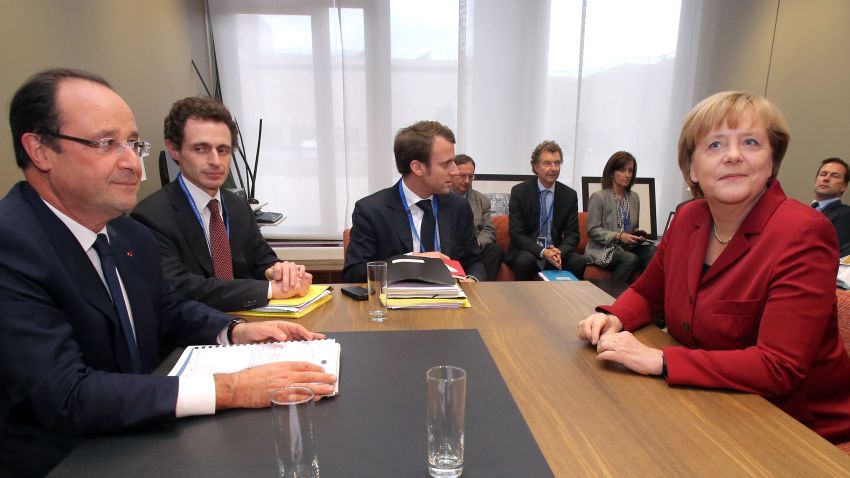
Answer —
233 323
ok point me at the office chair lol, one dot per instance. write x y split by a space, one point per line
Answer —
163 169
843 297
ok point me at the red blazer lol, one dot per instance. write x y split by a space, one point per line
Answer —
762 319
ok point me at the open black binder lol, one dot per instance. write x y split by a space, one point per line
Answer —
414 268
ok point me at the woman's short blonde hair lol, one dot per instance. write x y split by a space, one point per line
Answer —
727 108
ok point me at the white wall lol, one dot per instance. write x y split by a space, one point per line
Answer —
802 65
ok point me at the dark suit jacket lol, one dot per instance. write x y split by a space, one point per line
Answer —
839 214
64 364
380 229
186 261
524 219
761 319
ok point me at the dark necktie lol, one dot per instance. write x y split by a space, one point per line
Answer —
110 273
815 204
219 245
426 233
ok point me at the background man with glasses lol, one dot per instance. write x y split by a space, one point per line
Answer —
543 219
485 232
212 249
86 313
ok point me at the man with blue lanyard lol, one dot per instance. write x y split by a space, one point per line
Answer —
417 214
830 184
543 219
212 249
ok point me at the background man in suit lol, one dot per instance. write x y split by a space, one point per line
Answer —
543 219
491 253
217 257
85 307
830 184
417 214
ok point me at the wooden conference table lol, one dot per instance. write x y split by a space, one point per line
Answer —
591 418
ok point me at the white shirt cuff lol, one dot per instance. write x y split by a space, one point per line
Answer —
195 396
222 337
269 293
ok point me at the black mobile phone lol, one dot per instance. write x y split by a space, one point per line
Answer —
356 292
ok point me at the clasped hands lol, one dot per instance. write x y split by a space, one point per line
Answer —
553 256
250 388
605 332
288 279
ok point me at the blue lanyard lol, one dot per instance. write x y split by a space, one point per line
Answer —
551 208
413 226
198 214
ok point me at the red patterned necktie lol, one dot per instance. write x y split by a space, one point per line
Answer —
219 245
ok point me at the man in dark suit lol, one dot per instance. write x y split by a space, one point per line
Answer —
543 219
85 307
418 214
830 184
243 272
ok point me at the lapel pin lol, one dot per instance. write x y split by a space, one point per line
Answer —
129 253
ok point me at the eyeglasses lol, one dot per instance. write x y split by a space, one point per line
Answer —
111 146
470 177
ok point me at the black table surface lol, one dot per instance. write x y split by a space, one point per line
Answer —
375 427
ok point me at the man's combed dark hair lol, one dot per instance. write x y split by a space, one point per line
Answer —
837 161
34 110
199 108
616 162
414 142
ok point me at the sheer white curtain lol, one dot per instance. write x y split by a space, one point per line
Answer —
334 80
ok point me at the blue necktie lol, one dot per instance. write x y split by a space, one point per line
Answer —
110 273
545 220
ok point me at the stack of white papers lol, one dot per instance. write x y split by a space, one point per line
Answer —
420 295
401 290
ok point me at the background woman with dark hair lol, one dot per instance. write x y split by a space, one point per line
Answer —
614 239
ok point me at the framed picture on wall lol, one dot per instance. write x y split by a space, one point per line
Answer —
643 187
498 188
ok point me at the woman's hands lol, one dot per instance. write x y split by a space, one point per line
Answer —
596 325
628 239
605 331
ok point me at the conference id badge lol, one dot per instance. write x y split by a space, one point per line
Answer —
542 241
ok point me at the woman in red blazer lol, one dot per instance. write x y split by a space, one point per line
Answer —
745 277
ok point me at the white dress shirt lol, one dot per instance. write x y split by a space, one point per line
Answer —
417 213
201 199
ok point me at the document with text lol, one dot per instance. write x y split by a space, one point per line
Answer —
213 359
